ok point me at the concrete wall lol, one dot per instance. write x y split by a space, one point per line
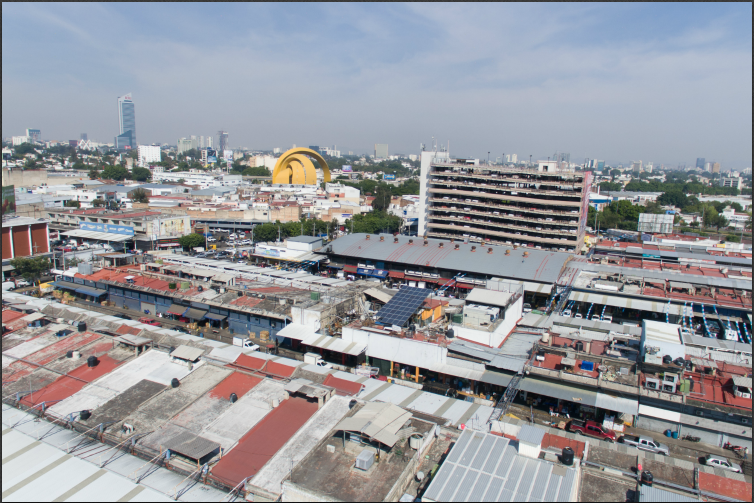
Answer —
29 177
710 437
306 317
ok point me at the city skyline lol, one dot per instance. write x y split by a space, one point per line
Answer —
521 78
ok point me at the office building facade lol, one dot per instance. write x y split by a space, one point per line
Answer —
34 134
700 162
380 151
127 122
222 140
541 207
148 155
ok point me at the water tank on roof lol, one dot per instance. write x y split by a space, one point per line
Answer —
82 326
647 478
69 354
85 414
567 456
450 334
233 398
91 361
175 382
352 404
667 359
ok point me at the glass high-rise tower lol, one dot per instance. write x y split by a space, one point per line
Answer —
127 122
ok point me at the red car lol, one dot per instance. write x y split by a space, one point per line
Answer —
150 321
592 429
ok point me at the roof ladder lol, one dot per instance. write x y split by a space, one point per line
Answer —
450 283
505 401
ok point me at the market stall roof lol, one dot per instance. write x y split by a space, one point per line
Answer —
102 236
215 316
334 344
194 314
625 302
66 284
224 278
187 353
33 317
488 297
177 309
132 340
378 294
88 290
297 331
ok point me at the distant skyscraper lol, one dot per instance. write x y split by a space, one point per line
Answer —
700 162
209 142
34 134
380 151
127 123
636 167
84 136
222 141
715 167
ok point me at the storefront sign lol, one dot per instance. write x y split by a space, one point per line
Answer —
111 229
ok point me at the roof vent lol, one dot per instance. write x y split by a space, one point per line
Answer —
440 245
452 240
382 238
473 248
426 242
489 250
507 252
410 241
367 237
457 247
395 240
526 254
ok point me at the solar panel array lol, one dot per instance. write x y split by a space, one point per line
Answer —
403 305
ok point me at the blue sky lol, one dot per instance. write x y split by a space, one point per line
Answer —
659 82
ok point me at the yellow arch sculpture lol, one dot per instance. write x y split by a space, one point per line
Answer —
294 167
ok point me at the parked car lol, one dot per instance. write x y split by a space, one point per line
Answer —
567 312
527 308
20 283
591 428
211 239
645 444
150 321
8 286
123 316
722 463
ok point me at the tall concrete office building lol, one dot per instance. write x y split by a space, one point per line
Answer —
222 140
127 122
35 135
541 207
700 163
380 151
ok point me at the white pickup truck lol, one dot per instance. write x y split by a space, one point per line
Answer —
645 444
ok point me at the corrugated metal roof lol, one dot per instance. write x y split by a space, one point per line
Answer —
531 434
469 473
557 390
538 266
378 294
380 421
626 302
187 353
744 382
489 297
192 446
654 493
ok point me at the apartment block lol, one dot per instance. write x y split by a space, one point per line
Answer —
540 207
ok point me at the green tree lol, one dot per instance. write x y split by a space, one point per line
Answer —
720 221
673 198
73 204
97 203
381 198
94 173
117 173
140 196
615 173
610 186
141 174
256 171
191 240
31 268
23 149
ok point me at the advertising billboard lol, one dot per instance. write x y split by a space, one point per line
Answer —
9 200
228 155
347 168
211 155
109 228
388 177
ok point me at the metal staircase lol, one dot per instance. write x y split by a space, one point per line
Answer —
505 401
564 294
450 283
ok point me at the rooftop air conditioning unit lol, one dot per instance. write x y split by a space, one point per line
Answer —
652 383
365 460
671 378
699 413
668 387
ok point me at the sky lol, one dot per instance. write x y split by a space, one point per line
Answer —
663 83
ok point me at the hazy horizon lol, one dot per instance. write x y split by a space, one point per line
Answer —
664 83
